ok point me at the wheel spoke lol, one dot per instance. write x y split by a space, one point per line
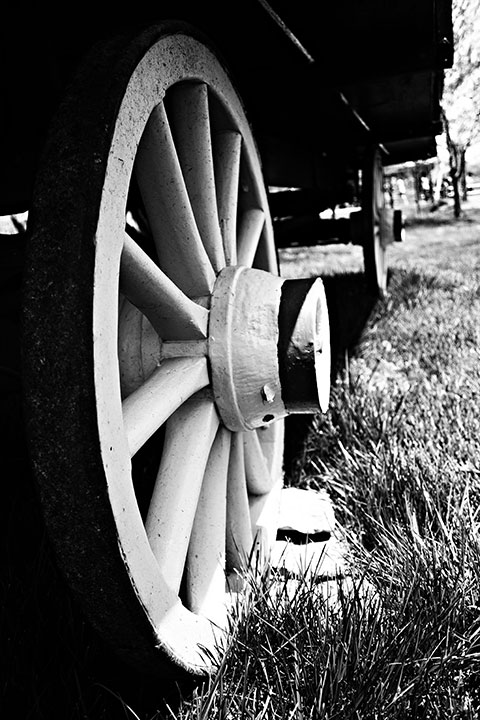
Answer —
227 148
264 514
139 348
187 108
205 568
272 440
146 409
179 246
189 436
172 314
239 531
249 235
259 479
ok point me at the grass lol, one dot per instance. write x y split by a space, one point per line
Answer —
398 451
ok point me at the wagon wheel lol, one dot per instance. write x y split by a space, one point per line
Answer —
157 449
374 230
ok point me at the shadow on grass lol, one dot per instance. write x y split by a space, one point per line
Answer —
441 215
426 221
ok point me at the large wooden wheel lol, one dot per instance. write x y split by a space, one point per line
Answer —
374 230
150 195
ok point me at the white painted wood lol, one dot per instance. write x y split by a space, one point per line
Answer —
272 438
139 348
239 537
189 436
323 360
181 253
243 347
249 234
259 479
205 567
310 337
264 512
149 154
146 409
173 315
183 348
328 559
227 148
306 511
129 342
190 123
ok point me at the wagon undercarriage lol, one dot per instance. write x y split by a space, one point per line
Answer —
161 349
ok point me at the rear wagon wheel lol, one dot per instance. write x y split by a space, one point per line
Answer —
373 206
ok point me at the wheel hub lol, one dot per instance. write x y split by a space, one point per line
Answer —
269 347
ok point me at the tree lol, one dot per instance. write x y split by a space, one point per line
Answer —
461 94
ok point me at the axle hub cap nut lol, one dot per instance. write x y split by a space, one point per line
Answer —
269 347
